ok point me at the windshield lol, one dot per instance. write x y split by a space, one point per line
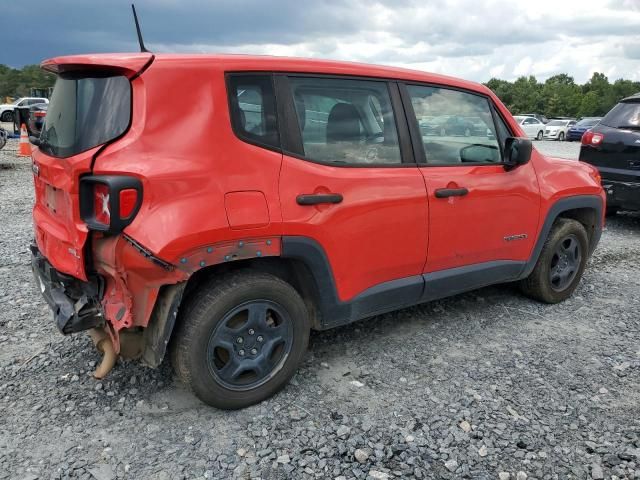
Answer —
519 119
623 115
557 123
587 122
84 113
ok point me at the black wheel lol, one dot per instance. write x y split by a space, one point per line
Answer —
540 134
561 137
561 263
7 116
240 338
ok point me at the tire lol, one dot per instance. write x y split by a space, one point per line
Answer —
561 137
443 132
542 284
7 116
540 134
467 132
216 350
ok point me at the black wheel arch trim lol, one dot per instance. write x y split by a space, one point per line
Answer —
593 202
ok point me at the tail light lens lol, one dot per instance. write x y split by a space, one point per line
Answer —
108 203
592 138
40 114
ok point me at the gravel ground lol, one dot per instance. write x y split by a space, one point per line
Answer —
483 385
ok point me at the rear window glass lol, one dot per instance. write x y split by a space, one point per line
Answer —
623 115
84 113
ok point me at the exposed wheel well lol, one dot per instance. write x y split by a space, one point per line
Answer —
588 217
294 272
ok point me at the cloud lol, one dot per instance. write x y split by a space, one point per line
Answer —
474 39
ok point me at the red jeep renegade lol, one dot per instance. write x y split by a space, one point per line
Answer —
220 207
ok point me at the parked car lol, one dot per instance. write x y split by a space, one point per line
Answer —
537 116
37 114
6 109
557 129
456 125
138 243
613 146
531 126
584 124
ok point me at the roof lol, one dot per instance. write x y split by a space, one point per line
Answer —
227 62
632 98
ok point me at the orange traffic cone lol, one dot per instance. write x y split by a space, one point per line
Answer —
25 146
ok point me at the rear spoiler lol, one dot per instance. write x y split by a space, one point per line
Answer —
127 64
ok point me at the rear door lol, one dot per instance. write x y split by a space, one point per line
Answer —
479 212
349 182
87 109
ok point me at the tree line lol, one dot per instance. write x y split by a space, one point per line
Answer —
558 96
561 96
16 82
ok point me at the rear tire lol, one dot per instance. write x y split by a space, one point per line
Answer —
561 263
240 338
6 116
540 134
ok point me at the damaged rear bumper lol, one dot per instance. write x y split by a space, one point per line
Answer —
75 304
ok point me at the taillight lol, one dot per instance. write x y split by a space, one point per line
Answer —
108 203
592 138
39 114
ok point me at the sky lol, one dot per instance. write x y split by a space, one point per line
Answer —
471 39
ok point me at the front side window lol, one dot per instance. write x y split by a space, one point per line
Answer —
346 121
253 109
456 127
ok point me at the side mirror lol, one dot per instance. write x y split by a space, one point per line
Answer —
517 151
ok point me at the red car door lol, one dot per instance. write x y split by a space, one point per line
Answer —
481 216
350 187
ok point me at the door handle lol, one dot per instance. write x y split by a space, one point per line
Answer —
318 198
451 192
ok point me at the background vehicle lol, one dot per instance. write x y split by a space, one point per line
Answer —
37 114
6 109
537 116
575 132
533 127
457 125
613 146
324 199
557 129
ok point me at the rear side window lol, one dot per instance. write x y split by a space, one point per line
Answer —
456 127
253 109
346 121
85 112
623 115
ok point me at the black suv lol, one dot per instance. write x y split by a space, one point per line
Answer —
613 146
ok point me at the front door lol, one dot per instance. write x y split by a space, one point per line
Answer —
349 186
479 213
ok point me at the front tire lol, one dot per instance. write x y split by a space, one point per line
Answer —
561 137
240 339
540 134
7 116
560 265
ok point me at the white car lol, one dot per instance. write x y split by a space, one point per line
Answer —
6 109
533 127
557 129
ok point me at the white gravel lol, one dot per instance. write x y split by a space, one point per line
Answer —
483 385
